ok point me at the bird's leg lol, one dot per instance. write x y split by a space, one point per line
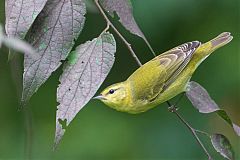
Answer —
172 108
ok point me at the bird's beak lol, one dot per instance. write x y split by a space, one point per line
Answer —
100 97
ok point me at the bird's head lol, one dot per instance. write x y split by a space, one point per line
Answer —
115 96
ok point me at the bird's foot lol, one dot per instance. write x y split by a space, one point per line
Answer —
173 108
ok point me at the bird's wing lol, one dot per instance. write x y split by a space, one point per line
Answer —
157 75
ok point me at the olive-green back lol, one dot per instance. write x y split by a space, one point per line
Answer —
156 75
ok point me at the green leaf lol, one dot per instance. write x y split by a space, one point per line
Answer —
124 10
223 114
202 101
53 34
82 76
222 145
20 15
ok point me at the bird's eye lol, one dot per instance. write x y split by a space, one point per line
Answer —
111 91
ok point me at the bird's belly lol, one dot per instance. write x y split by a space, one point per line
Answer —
177 87
136 108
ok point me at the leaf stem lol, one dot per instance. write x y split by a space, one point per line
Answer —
172 108
202 132
109 23
149 46
106 29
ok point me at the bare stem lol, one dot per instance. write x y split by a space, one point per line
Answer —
109 23
29 133
202 132
149 46
15 66
173 108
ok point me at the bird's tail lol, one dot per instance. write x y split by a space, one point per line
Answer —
221 40
207 48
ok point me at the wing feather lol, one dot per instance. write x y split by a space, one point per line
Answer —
183 55
157 75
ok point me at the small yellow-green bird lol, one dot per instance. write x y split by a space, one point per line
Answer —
162 78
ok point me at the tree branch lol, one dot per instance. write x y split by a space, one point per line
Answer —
172 108
109 23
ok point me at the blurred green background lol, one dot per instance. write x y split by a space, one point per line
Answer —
99 132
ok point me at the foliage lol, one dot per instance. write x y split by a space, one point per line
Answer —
222 145
204 103
82 76
52 34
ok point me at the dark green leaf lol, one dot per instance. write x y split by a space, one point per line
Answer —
202 101
123 8
222 145
52 35
85 71
91 6
225 116
20 15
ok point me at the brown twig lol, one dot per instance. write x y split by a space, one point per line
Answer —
109 23
172 108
